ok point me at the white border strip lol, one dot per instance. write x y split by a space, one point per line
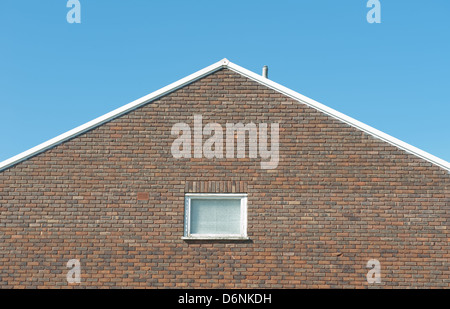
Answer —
344 118
204 72
112 115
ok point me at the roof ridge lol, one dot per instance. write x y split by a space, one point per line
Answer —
224 63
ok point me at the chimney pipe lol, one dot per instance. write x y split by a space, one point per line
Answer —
265 71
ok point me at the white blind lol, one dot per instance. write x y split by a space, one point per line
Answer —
215 216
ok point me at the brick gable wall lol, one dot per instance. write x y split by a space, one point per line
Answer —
114 199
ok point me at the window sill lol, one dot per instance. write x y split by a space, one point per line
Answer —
215 238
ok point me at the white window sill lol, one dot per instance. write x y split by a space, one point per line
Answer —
216 237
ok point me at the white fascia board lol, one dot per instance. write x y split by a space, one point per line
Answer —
338 115
112 115
224 63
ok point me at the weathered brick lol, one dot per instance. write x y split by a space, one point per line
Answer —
113 198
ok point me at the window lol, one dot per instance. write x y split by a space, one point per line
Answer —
215 216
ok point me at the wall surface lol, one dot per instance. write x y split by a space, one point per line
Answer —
113 198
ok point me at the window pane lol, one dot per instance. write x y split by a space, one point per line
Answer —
215 216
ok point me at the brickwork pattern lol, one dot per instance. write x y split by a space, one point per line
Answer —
113 198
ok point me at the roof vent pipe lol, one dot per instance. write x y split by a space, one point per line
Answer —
265 71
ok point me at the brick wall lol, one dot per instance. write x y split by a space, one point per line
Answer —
114 199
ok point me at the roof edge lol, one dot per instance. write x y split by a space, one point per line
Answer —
224 63
342 117
112 115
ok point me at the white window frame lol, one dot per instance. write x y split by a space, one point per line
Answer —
187 215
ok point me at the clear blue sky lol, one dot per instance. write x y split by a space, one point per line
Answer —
394 76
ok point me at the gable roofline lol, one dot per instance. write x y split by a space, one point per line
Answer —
224 63
342 117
